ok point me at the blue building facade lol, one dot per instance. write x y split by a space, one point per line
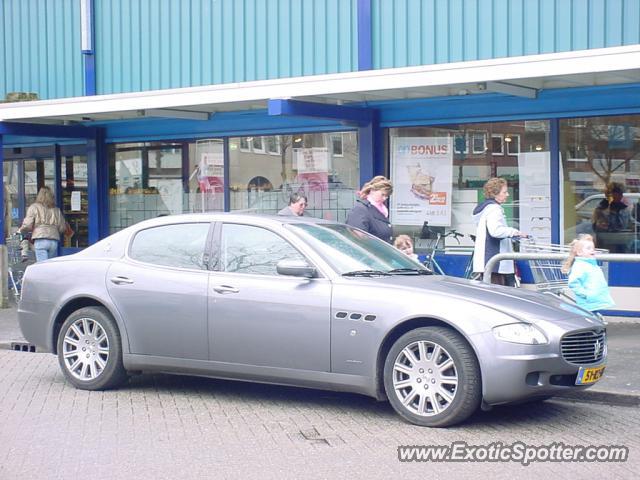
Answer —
134 109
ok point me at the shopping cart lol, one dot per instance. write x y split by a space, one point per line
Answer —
547 274
19 258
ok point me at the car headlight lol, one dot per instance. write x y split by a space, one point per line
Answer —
601 318
524 333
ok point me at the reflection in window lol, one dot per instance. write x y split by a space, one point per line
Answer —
322 166
258 144
273 145
336 144
513 144
247 249
347 249
172 245
601 188
497 147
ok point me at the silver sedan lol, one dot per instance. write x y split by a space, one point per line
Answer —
304 302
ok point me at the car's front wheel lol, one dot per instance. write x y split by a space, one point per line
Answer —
432 377
90 350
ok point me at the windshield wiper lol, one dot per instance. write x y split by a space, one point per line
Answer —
418 271
365 273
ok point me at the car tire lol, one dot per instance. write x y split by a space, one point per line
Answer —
90 350
432 377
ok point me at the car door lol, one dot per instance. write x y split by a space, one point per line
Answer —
258 317
160 290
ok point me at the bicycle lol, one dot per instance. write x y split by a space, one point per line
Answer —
437 237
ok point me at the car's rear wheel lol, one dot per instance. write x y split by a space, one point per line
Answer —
90 350
432 377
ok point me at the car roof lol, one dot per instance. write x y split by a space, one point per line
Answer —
252 218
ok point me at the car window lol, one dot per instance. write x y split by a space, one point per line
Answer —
248 249
179 245
347 249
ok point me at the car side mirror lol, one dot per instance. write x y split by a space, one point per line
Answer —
295 268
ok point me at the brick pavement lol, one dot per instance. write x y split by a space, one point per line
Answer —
162 426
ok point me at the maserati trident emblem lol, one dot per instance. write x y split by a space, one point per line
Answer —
597 349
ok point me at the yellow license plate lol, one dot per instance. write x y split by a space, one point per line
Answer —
587 376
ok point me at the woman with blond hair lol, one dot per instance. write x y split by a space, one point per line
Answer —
370 212
405 245
586 279
46 222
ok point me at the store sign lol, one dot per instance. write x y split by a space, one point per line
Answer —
422 172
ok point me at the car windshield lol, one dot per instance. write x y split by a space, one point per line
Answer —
351 251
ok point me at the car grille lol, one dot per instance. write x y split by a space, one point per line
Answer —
585 347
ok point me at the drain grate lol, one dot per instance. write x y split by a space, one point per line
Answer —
23 347
314 436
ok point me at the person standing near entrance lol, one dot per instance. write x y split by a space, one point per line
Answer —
493 236
46 222
370 212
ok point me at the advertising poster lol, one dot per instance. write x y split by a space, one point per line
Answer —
210 173
422 169
313 166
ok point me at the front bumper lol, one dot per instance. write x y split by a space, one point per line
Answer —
514 372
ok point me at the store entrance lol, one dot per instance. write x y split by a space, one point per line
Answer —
64 170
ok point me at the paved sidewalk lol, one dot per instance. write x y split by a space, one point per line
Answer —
621 382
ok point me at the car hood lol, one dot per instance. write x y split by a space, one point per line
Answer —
520 303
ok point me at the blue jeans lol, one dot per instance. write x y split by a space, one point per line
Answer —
45 248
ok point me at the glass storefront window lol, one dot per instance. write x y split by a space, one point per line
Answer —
37 174
151 179
600 181
145 181
439 173
265 171
75 206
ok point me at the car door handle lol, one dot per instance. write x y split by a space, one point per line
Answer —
121 280
225 289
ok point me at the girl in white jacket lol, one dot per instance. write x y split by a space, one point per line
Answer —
493 235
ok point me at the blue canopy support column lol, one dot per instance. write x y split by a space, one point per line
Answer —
365 119
556 188
370 146
97 187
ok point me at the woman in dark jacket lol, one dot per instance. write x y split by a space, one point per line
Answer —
370 212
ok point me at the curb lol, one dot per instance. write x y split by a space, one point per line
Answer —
8 344
617 398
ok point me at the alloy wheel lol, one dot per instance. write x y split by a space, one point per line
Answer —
85 349
425 378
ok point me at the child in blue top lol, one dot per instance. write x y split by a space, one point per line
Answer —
586 279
